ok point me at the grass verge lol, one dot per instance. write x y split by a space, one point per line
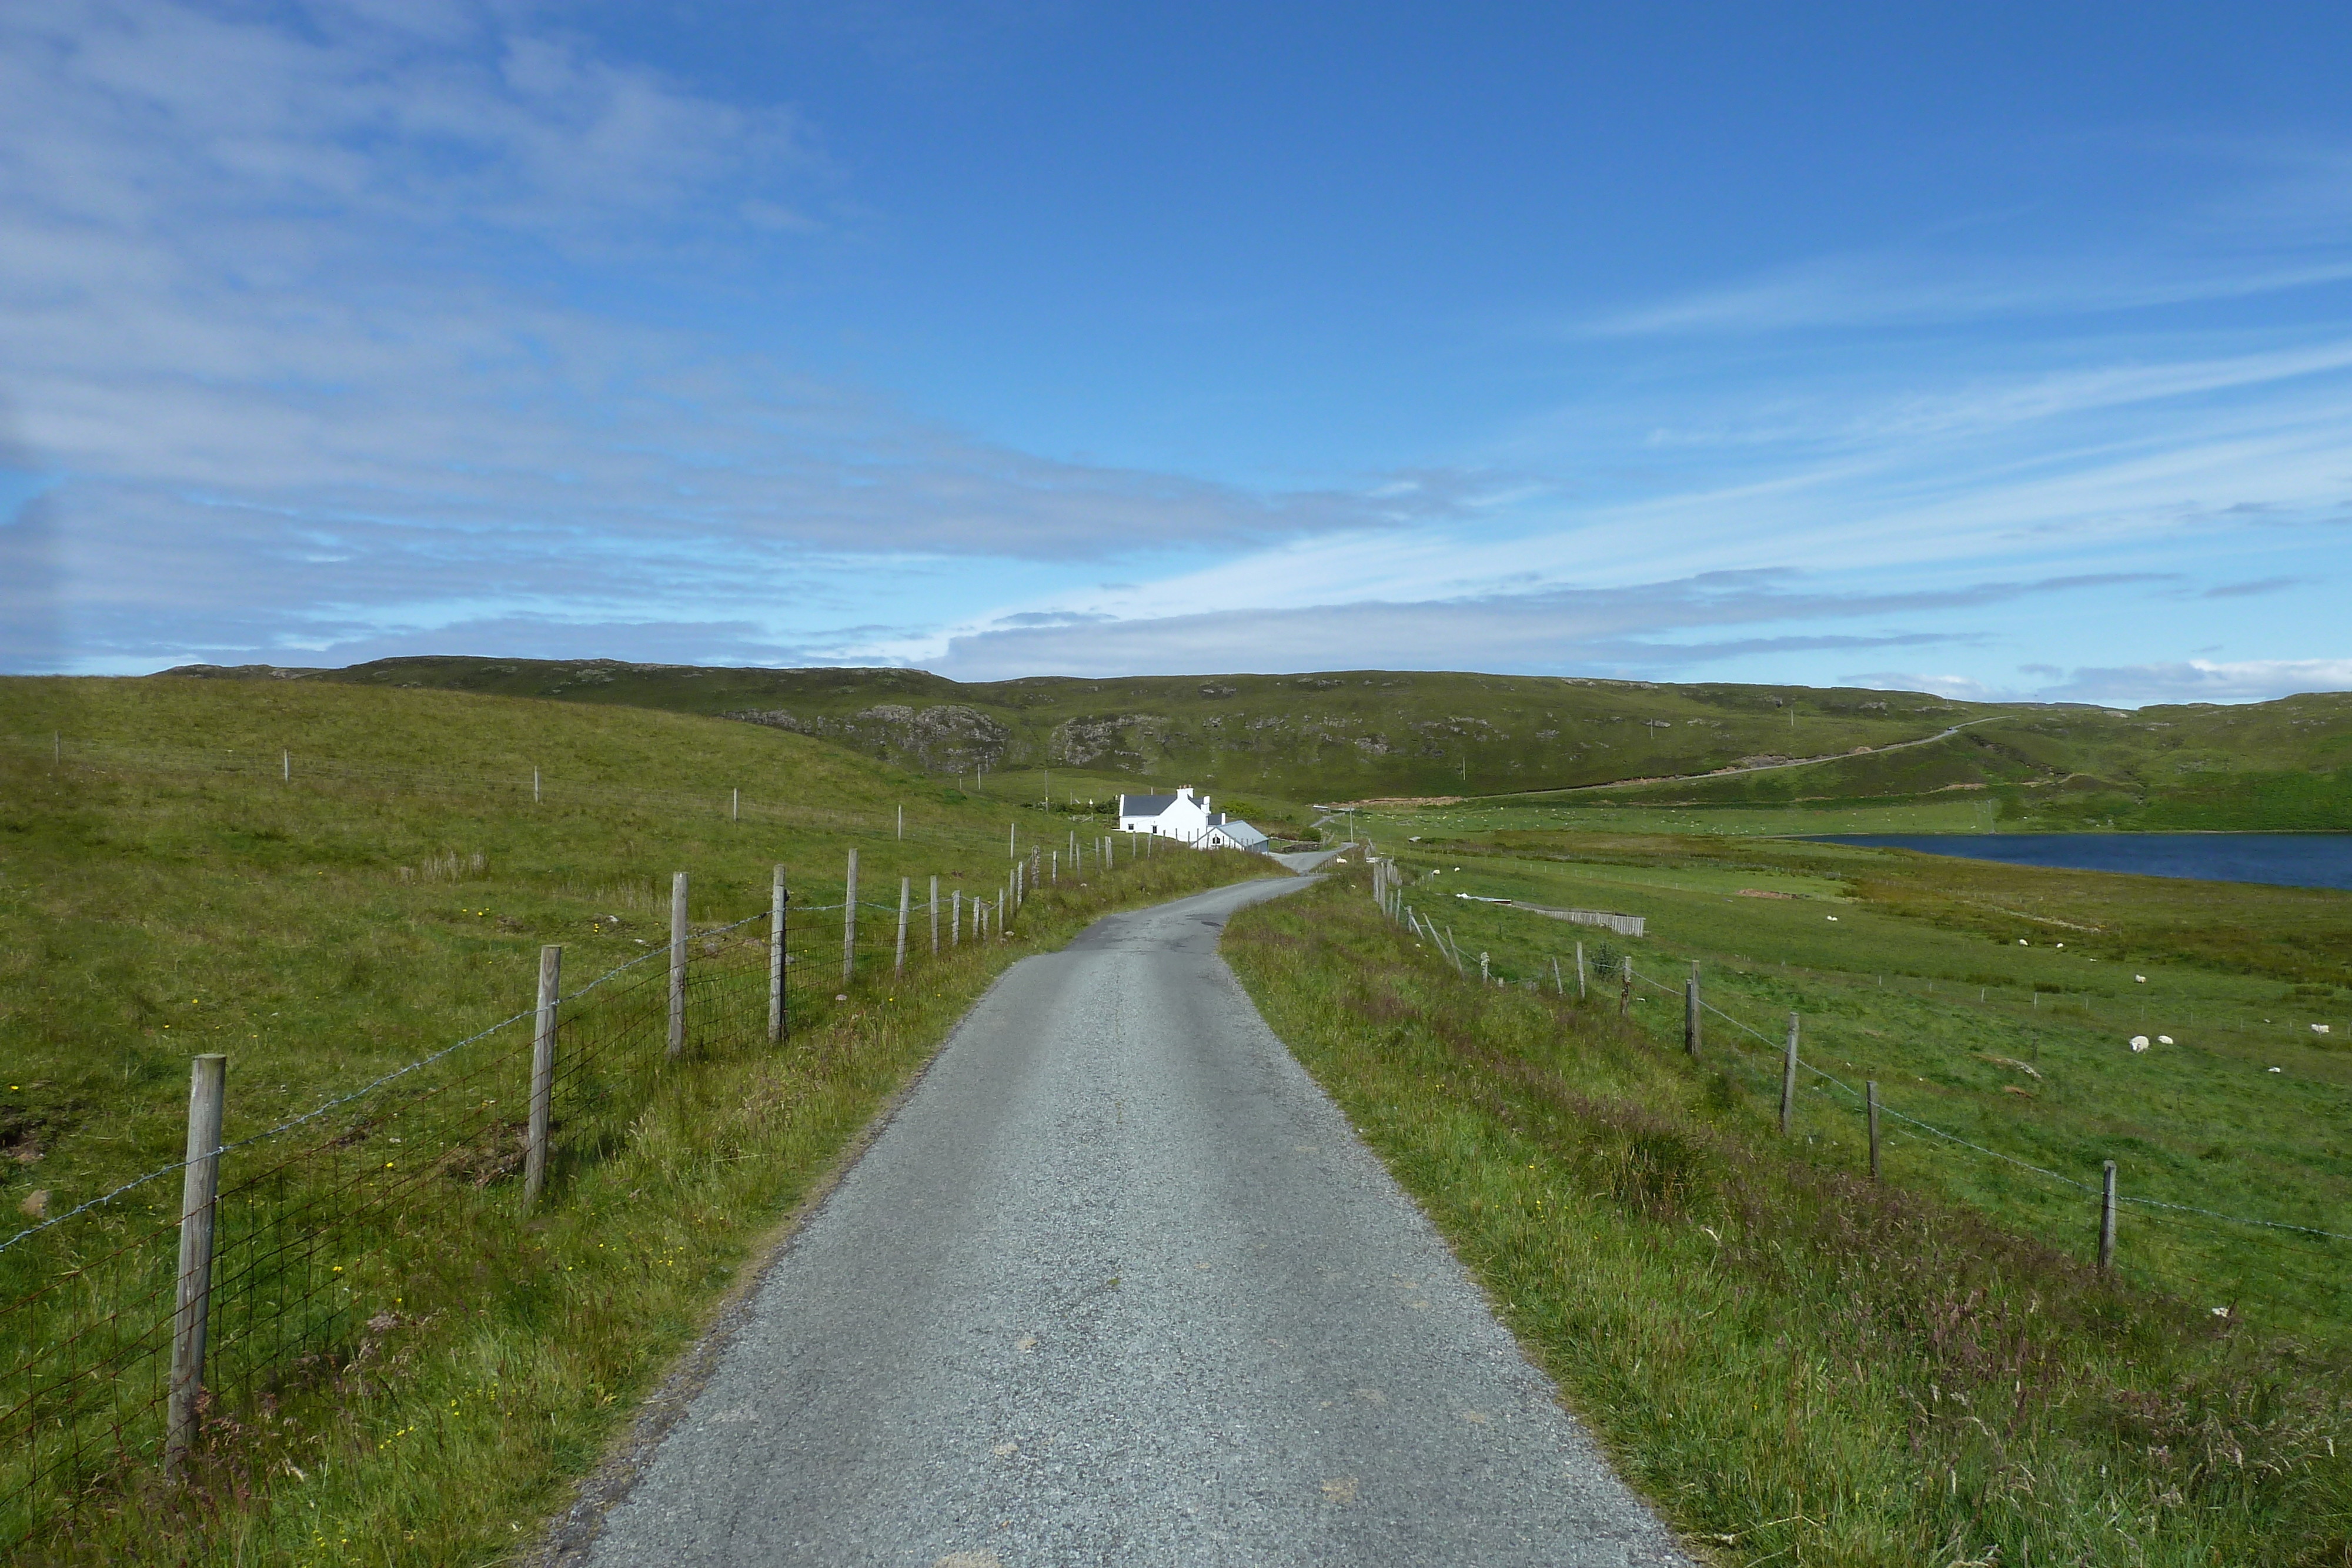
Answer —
1797 1365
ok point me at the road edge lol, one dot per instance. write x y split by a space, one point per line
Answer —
571 1532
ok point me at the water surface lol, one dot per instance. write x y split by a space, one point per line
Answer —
2284 859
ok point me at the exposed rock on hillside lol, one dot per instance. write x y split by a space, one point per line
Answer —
946 737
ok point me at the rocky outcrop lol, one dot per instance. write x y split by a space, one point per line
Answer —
1131 740
947 738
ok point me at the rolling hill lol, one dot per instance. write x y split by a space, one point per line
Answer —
1342 735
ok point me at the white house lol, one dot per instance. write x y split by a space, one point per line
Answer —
1186 817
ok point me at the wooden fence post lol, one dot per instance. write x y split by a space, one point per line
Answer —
534 786
935 916
849 924
199 1185
735 805
2107 1217
955 923
677 964
1580 971
1559 985
1870 1101
1625 988
1789 1078
905 888
776 952
289 760
1012 840
542 1072
1690 1012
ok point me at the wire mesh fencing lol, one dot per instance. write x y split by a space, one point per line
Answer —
328 1228
2299 1264
331 1229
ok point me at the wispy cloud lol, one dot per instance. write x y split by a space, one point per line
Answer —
1893 289
1654 628
2250 589
2201 680
258 329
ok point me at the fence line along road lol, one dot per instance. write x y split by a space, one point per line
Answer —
141 1332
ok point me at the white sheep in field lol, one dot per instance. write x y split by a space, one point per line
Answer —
2139 1042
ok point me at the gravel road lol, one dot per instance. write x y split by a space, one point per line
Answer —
1119 1284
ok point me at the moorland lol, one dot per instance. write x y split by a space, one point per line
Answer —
328 874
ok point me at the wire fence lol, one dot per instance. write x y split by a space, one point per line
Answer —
510 782
333 1227
1613 968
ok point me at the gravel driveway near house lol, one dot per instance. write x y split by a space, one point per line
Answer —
1119 1284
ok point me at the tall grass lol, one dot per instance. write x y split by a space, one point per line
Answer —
1796 1364
155 902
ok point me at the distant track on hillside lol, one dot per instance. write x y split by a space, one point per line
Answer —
1758 768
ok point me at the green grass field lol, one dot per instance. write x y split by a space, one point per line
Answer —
1996 1003
1795 1363
166 890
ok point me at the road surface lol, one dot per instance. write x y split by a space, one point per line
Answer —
1119 1284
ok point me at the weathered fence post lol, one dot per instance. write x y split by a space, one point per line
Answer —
2107 1217
776 901
534 786
849 924
735 805
1870 1103
1789 1078
1690 1012
199 1184
677 964
902 821
542 1072
955 923
1054 869
1559 985
1625 988
1012 840
935 916
289 760
1580 971
1483 978
906 888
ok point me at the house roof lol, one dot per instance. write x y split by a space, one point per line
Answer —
1241 833
1145 805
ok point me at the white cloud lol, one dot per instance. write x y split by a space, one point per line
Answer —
1659 627
2201 680
271 319
1892 289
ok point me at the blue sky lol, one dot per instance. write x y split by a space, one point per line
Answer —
2000 350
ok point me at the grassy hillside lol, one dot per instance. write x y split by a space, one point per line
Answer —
1302 737
2281 766
1343 734
166 889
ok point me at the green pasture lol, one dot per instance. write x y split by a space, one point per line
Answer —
166 889
1794 1363
1910 970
